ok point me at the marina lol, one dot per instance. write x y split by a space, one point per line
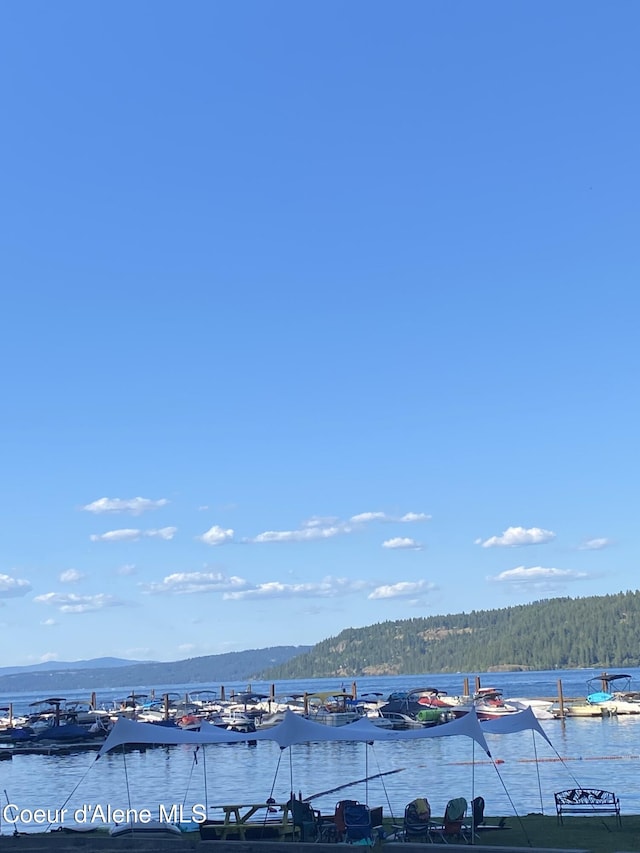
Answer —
522 773
55 724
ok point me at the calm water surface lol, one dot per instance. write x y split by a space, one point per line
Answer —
588 752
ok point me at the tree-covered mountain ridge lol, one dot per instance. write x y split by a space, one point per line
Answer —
554 633
206 670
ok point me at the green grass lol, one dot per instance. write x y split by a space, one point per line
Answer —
596 834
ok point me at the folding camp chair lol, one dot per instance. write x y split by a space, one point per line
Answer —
306 819
357 823
453 827
477 812
417 821
338 817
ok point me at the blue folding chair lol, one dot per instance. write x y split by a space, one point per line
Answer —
358 828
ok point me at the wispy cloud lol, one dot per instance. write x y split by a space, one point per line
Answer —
125 534
318 527
403 589
49 623
216 536
128 534
367 517
13 587
514 537
126 570
595 544
134 506
321 521
407 518
70 576
403 542
538 577
72 603
329 587
304 534
410 517
184 583
47 657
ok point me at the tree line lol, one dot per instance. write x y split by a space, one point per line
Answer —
556 633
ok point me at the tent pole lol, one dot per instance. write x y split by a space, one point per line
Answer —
473 789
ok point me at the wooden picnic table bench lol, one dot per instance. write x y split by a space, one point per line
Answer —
249 822
587 801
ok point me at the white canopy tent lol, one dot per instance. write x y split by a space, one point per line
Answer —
519 722
297 729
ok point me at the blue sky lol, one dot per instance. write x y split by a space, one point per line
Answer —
314 315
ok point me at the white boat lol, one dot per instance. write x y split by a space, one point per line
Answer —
616 697
332 709
542 708
235 720
402 721
378 719
489 704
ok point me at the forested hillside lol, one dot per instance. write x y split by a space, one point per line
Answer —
558 633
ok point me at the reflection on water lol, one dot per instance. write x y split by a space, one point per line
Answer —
586 752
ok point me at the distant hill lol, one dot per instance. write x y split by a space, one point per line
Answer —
59 665
210 670
557 633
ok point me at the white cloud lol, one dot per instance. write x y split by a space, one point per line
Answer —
13 587
161 533
216 536
134 506
186 647
306 534
514 537
73 603
49 656
403 589
415 516
408 517
318 527
320 521
366 517
128 534
182 583
537 575
49 622
329 587
595 544
126 570
403 542
70 576
123 535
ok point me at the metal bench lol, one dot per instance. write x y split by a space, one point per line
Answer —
587 801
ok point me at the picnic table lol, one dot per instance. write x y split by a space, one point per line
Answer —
248 821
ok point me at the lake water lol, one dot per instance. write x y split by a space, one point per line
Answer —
591 752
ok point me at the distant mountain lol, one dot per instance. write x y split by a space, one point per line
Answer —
209 670
60 665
